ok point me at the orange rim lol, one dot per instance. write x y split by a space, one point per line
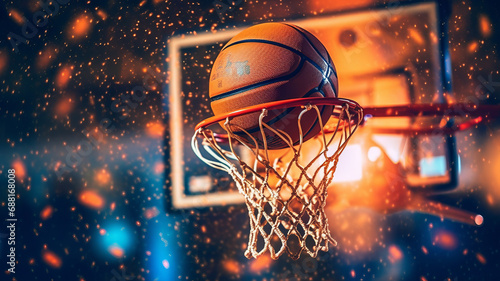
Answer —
354 107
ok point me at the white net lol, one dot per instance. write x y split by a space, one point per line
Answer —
285 191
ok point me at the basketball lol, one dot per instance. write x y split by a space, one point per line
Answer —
272 62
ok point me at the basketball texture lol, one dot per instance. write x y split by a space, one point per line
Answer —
271 62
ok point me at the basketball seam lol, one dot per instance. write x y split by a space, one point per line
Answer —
315 49
274 80
259 84
263 41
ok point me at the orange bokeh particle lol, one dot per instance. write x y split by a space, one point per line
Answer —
395 254
102 177
231 266
261 263
20 168
481 258
51 259
155 129
116 251
91 199
46 213
80 27
63 76
64 106
445 240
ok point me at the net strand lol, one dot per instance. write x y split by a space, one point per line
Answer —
286 197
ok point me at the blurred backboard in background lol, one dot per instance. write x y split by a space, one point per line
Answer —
379 63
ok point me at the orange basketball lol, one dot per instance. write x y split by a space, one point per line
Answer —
270 62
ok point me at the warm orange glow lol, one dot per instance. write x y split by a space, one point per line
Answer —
102 14
350 165
80 27
91 199
481 258
155 129
46 213
64 106
416 36
472 47
424 250
102 231
45 57
4 61
395 254
159 168
102 177
445 240
16 16
116 251
151 213
231 266
63 76
51 259
260 263
20 168
485 25
327 5
479 220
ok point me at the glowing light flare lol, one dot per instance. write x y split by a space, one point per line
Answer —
159 168
102 14
481 258
116 251
231 266
165 264
479 219
151 213
155 129
424 250
46 213
485 25
4 61
445 240
416 36
261 263
80 27
374 153
16 16
51 259
472 46
91 199
102 177
350 165
20 168
63 76
395 254
64 106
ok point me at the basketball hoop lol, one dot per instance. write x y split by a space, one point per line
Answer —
285 194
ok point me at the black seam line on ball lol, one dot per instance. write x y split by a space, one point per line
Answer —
277 118
315 49
259 84
274 80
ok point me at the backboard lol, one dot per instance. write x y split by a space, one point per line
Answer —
379 63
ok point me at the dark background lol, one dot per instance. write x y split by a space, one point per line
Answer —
104 215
